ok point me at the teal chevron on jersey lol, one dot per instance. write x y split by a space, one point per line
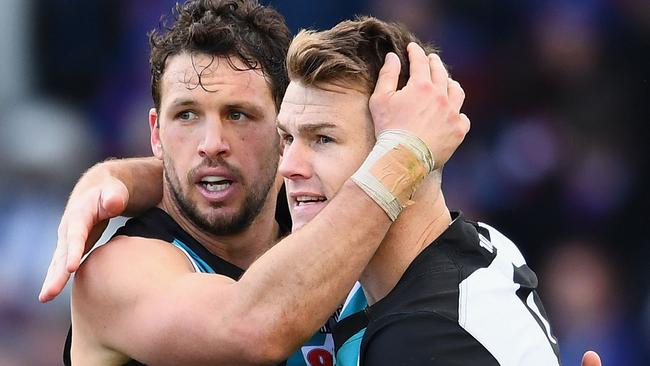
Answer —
317 351
199 264
356 301
348 353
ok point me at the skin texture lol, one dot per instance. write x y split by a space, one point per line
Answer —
115 189
327 132
218 128
136 314
326 135
591 358
160 312
101 193
239 150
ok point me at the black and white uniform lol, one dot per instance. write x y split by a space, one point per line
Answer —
468 299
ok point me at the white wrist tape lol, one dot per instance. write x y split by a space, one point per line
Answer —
393 169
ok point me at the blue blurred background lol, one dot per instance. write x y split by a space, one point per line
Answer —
557 158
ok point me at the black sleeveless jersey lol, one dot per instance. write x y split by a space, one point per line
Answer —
469 298
157 224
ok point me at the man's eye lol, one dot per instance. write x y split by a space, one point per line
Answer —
186 115
236 116
287 139
324 139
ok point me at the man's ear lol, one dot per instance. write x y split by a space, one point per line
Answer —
154 126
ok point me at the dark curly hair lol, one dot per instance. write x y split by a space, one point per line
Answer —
255 34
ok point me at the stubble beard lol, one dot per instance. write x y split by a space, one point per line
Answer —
220 223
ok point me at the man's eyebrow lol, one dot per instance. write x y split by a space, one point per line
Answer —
310 128
315 127
246 106
182 102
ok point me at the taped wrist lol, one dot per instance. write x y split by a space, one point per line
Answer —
397 164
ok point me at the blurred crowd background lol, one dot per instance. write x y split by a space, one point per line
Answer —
557 91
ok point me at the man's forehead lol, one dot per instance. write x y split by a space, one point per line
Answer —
328 104
324 96
189 67
187 72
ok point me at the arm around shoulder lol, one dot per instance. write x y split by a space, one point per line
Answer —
141 177
140 298
106 190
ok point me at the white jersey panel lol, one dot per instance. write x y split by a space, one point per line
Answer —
490 310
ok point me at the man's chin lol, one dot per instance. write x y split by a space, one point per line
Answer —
303 213
300 220
218 216
223 220
296 225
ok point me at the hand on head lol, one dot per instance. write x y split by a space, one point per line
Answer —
428 106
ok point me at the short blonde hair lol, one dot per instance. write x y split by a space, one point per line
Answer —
350 54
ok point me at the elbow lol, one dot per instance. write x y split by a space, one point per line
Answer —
271 354
264 345
263 332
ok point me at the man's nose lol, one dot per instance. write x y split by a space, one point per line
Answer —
214 142
295 162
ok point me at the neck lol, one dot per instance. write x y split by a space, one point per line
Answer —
240 249
418 225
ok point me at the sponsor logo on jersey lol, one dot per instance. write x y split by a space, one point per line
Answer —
320 355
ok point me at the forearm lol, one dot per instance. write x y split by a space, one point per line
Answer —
142 178
324 258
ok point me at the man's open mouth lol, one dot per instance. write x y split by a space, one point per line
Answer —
215 183
308 200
